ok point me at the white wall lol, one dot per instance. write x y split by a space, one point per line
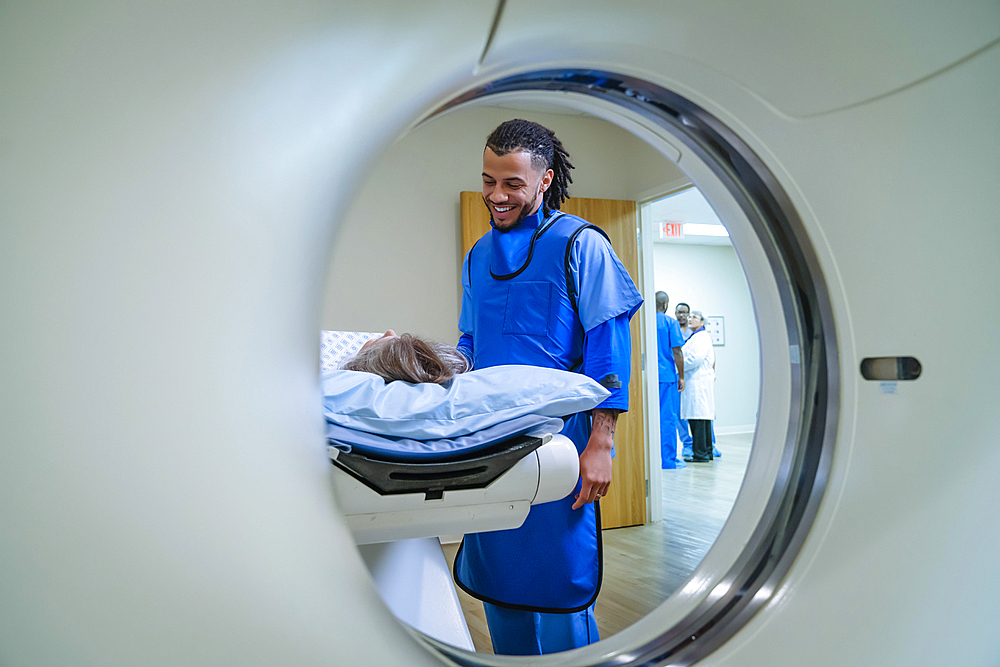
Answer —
711 280
397 260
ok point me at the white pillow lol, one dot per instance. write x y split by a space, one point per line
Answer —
470 402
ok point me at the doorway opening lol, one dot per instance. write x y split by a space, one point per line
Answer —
695 266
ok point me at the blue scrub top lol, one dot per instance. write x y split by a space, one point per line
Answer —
668 336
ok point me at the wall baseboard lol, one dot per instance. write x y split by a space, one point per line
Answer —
733 430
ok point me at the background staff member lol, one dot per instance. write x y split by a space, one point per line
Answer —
681 312
683 428
698 398
546 289
671 368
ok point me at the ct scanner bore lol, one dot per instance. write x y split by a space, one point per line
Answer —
166 182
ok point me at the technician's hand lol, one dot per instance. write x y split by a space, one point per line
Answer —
595 461
680 385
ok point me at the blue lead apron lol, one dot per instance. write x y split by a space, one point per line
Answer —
553 562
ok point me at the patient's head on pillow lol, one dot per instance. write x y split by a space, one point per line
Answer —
408 358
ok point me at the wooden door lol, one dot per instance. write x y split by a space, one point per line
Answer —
625 504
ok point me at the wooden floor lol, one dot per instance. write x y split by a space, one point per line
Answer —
645 564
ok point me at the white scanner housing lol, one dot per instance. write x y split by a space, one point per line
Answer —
545 474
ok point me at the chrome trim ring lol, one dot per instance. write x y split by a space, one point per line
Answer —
808 450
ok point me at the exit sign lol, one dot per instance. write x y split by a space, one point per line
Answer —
671 230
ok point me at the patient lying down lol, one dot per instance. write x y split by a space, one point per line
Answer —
409 359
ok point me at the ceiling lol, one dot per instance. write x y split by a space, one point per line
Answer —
688 207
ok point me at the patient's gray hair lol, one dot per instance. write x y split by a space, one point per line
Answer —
410 359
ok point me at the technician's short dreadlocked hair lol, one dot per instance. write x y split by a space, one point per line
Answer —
546 152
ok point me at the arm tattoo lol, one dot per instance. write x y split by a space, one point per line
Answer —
605 420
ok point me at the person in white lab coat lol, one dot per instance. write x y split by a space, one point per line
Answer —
698 397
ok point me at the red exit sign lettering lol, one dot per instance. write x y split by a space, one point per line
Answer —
672 230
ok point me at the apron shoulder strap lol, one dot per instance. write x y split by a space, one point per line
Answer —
468 264
570 285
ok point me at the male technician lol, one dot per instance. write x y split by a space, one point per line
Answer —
543 288
671 370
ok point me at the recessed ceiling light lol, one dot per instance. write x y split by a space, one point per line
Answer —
701 229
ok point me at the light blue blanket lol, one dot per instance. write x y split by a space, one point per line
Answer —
428 451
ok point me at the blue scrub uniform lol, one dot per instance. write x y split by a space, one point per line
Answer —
549 293
668 336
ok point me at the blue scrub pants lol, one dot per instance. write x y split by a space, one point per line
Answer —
670 407
684 430
531 633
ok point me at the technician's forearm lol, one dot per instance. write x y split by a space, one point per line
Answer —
605 421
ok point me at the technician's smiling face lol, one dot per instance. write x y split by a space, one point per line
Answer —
512 188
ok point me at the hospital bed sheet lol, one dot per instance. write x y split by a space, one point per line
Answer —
386 446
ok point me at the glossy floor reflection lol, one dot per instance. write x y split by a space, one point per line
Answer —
645 564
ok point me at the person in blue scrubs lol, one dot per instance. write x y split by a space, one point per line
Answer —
681 312
671 371
546 289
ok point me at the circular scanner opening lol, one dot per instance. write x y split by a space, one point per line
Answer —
794 435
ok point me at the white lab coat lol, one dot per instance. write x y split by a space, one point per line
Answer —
698 397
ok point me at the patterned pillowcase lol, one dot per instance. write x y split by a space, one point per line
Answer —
336 347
